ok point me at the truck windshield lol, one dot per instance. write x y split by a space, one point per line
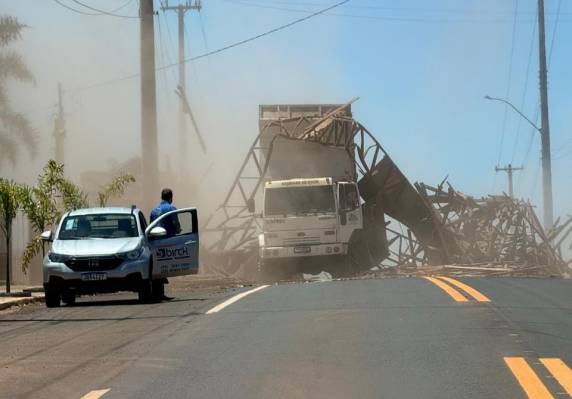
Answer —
98 226
299 200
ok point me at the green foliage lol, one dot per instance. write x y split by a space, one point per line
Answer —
11 195
54 195
45 204
15 128
10 203
115 188
10 29
34 247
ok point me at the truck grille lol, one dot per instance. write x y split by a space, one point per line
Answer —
302 240
93 263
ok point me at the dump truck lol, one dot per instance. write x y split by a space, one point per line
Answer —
311 202
302 171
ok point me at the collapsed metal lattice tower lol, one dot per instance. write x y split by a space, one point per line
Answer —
434 226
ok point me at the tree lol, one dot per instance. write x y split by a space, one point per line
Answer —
115 188
45 203
10 203
54 195
14 126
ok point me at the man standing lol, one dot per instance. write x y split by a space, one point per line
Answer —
166 204
171 225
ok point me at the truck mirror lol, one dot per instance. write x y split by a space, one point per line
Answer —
46 236
250 205
157 232
343 217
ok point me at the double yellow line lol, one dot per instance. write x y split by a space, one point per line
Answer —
532 384
448 285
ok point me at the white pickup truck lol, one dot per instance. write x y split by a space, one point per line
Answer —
308 218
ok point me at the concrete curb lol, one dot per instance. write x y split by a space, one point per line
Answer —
5 304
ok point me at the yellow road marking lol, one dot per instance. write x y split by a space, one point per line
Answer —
560 371
527 378
453 293
95 394
468 289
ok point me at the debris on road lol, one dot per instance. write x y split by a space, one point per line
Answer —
317 278
494 235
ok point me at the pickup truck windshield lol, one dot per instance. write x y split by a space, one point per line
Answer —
98 226
299 200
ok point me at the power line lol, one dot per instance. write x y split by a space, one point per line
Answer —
203 32
190 50
110 13
385 8
371 17
122 7
507 95
162 52
206 48
524 92
73 9
219 50
554 32
170 57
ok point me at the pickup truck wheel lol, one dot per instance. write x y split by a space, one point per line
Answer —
158 290
52 297
68 297
145 291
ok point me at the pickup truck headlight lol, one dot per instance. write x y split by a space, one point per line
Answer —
58 258
132 255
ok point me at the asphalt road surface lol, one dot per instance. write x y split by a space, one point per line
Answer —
379 338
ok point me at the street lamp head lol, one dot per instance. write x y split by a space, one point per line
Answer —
488 97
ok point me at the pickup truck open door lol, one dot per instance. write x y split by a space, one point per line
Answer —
176 249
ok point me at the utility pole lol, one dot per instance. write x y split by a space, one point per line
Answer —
181 9
509 170
59 128
544 127
149 157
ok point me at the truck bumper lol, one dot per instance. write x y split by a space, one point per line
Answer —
300 251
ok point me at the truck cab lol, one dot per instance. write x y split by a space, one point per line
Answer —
308 217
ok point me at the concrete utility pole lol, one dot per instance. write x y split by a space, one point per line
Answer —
59 128
544 127
509 170
149 157
181 9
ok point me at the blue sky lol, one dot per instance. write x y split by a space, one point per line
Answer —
420 68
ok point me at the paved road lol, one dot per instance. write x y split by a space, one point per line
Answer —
387 338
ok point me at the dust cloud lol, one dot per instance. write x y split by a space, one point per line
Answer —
102 114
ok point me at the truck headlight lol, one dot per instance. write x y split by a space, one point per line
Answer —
58 258
132 255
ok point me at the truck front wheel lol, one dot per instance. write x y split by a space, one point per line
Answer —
53 296
158 288
145 291
68 297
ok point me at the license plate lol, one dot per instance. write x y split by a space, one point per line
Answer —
302 250
93 276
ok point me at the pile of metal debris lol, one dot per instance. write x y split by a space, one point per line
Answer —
436 229
494 235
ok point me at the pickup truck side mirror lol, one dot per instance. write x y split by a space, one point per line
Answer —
157 232
251 205
343 217
46 236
